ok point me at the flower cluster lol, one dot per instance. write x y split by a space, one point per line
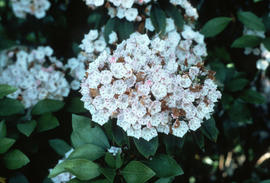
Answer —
93 44
36 74
66 176
149 88
126 9
263 62
37 8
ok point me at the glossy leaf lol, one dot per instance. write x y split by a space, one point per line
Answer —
60 146
87 151
46 106
215 26
158 19
146 148
10 107
5 144
246 41
250 20
164 166
6 89
137 172
27 128
15 159
47 122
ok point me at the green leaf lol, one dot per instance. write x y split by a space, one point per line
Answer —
84 134
60 146
199 139
165 180
253 97
5 144
125 28
266 43
75 105
164 166
110 160
109 28
109 173
176 15
215 26
237 84
6 89
80 122
250 20
239 112
265 181
158 19
27 128
47 105
15 159
137 172
47 122
172 143
10 107
18 178
87 151
3 129
246 41
119 136
210 130
146 148
83 169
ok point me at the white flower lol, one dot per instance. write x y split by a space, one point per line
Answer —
131 14
34 79
36 8
145 86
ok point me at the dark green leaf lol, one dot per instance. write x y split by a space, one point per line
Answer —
87 151
60 146
165 180
5 144
146 148
215 26
239 112
84 134
226 101
164 166
125 28
6 89
109 28
210 130
172 143
10 107
237 84
80 122
247 41
83 169
3 129
250 20
253 97
75 105
158 19
176 15
18 178
15 159
109 173
137 172
199 139
266 43
119 136
265 181
110 160
47 122
46 106
27 128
